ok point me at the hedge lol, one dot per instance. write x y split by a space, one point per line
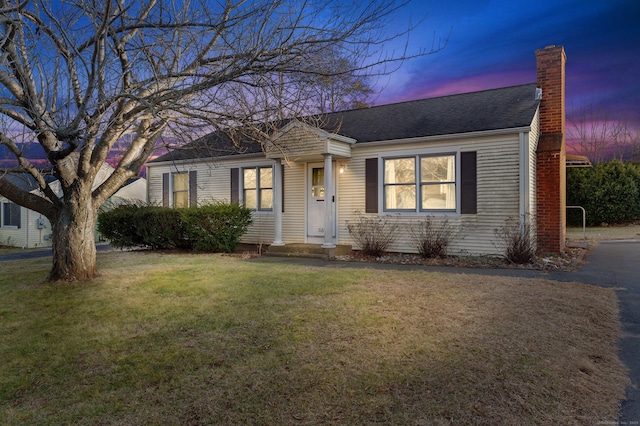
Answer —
212 227
609 192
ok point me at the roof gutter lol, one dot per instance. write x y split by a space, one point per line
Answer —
205 159
454 136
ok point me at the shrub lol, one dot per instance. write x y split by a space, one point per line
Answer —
432 238
119 227
160 228
213 227
609 192
217 226
373 234
517 238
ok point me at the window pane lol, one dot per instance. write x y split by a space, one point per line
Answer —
439 196
180 182
400 197
438 169
181 199
249 178
11 214
250 200
400 170
6 215
266 177
317 178
266 199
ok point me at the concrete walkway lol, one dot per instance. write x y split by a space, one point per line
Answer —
611 264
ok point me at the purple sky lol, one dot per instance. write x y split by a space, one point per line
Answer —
491 44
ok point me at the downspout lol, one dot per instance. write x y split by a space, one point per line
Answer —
525 218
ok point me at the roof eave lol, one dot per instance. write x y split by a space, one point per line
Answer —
453 136
204 159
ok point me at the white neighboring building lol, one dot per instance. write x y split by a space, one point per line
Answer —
21 227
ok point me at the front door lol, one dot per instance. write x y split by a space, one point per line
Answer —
316 203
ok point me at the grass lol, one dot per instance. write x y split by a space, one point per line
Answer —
600 233
211 339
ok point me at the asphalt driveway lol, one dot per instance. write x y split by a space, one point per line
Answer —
615 264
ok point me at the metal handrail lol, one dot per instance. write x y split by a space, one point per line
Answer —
584 220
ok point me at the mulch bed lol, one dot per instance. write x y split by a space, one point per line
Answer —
570 260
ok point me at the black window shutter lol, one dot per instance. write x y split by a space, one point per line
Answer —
235 185
469 188
193 188
165 189
371 185
18 210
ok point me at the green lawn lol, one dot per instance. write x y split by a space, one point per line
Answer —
171 339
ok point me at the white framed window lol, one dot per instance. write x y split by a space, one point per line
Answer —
10 215
257 188
420 183
180 189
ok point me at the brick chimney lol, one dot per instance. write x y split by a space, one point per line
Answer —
551 155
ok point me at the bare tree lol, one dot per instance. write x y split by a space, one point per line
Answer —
78 76
595 133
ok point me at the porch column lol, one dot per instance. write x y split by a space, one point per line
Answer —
328 202
277 203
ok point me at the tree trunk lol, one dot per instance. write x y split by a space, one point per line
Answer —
74 249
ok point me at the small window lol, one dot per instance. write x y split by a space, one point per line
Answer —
257 188
180 190
420 183
10 215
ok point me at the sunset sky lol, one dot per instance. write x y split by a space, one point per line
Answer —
491 44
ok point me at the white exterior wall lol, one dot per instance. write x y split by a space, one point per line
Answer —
294 216
214 185
29 235
32 235
498 189
534 136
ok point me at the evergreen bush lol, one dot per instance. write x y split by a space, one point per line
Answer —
216 227
609 192
212 227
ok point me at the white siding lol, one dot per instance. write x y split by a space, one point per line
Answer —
498 197
339 149
534 136
28 235
298 142
214 185
294 216
498 191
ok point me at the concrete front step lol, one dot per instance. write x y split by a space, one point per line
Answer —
308 250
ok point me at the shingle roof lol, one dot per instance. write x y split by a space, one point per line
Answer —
504 108
24 180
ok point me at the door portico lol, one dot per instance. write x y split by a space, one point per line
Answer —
301 143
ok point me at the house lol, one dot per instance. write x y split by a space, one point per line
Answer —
476 159
21 227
